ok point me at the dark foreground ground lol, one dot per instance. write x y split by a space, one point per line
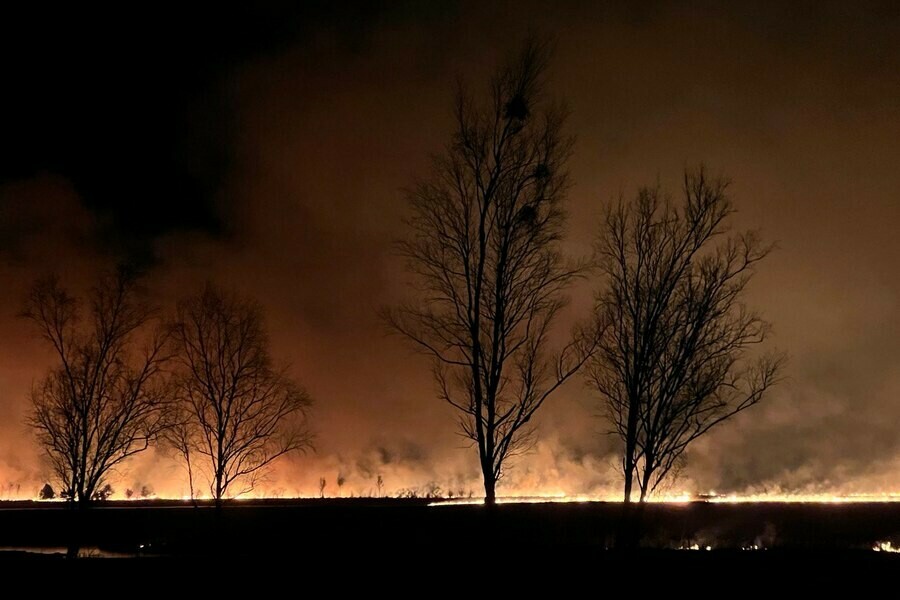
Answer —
381 538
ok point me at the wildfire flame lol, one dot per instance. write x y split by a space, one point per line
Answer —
685 497
679 498
885 547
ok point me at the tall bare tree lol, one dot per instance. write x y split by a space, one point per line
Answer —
675 354
103 401
238 413
484 249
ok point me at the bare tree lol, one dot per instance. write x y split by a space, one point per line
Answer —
484 249
103 401
674 357
322 484
238 412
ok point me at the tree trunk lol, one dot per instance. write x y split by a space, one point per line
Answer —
490 495
629 478
219 492
645 482
630 443
190 470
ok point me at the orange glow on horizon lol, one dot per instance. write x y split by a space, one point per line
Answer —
685 498
536 498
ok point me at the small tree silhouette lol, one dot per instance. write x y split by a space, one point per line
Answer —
433 490
103 493
47 492
340 483
322 484
379 484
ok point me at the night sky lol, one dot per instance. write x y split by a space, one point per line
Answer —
268 150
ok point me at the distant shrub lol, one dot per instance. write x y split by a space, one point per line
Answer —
433 490
47 492
103 493
408 493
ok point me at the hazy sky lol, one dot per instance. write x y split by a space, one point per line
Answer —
268 151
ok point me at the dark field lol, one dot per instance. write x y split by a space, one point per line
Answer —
404 548
410 529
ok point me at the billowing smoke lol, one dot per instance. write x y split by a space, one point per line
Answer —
325 131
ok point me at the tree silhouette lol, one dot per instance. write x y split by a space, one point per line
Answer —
484 249
673 357
103 494
47 492
103 401
237 412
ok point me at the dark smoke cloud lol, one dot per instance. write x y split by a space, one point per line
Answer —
300 148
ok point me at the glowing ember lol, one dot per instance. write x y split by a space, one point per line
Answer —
695 547
806 498
516 500
885 547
